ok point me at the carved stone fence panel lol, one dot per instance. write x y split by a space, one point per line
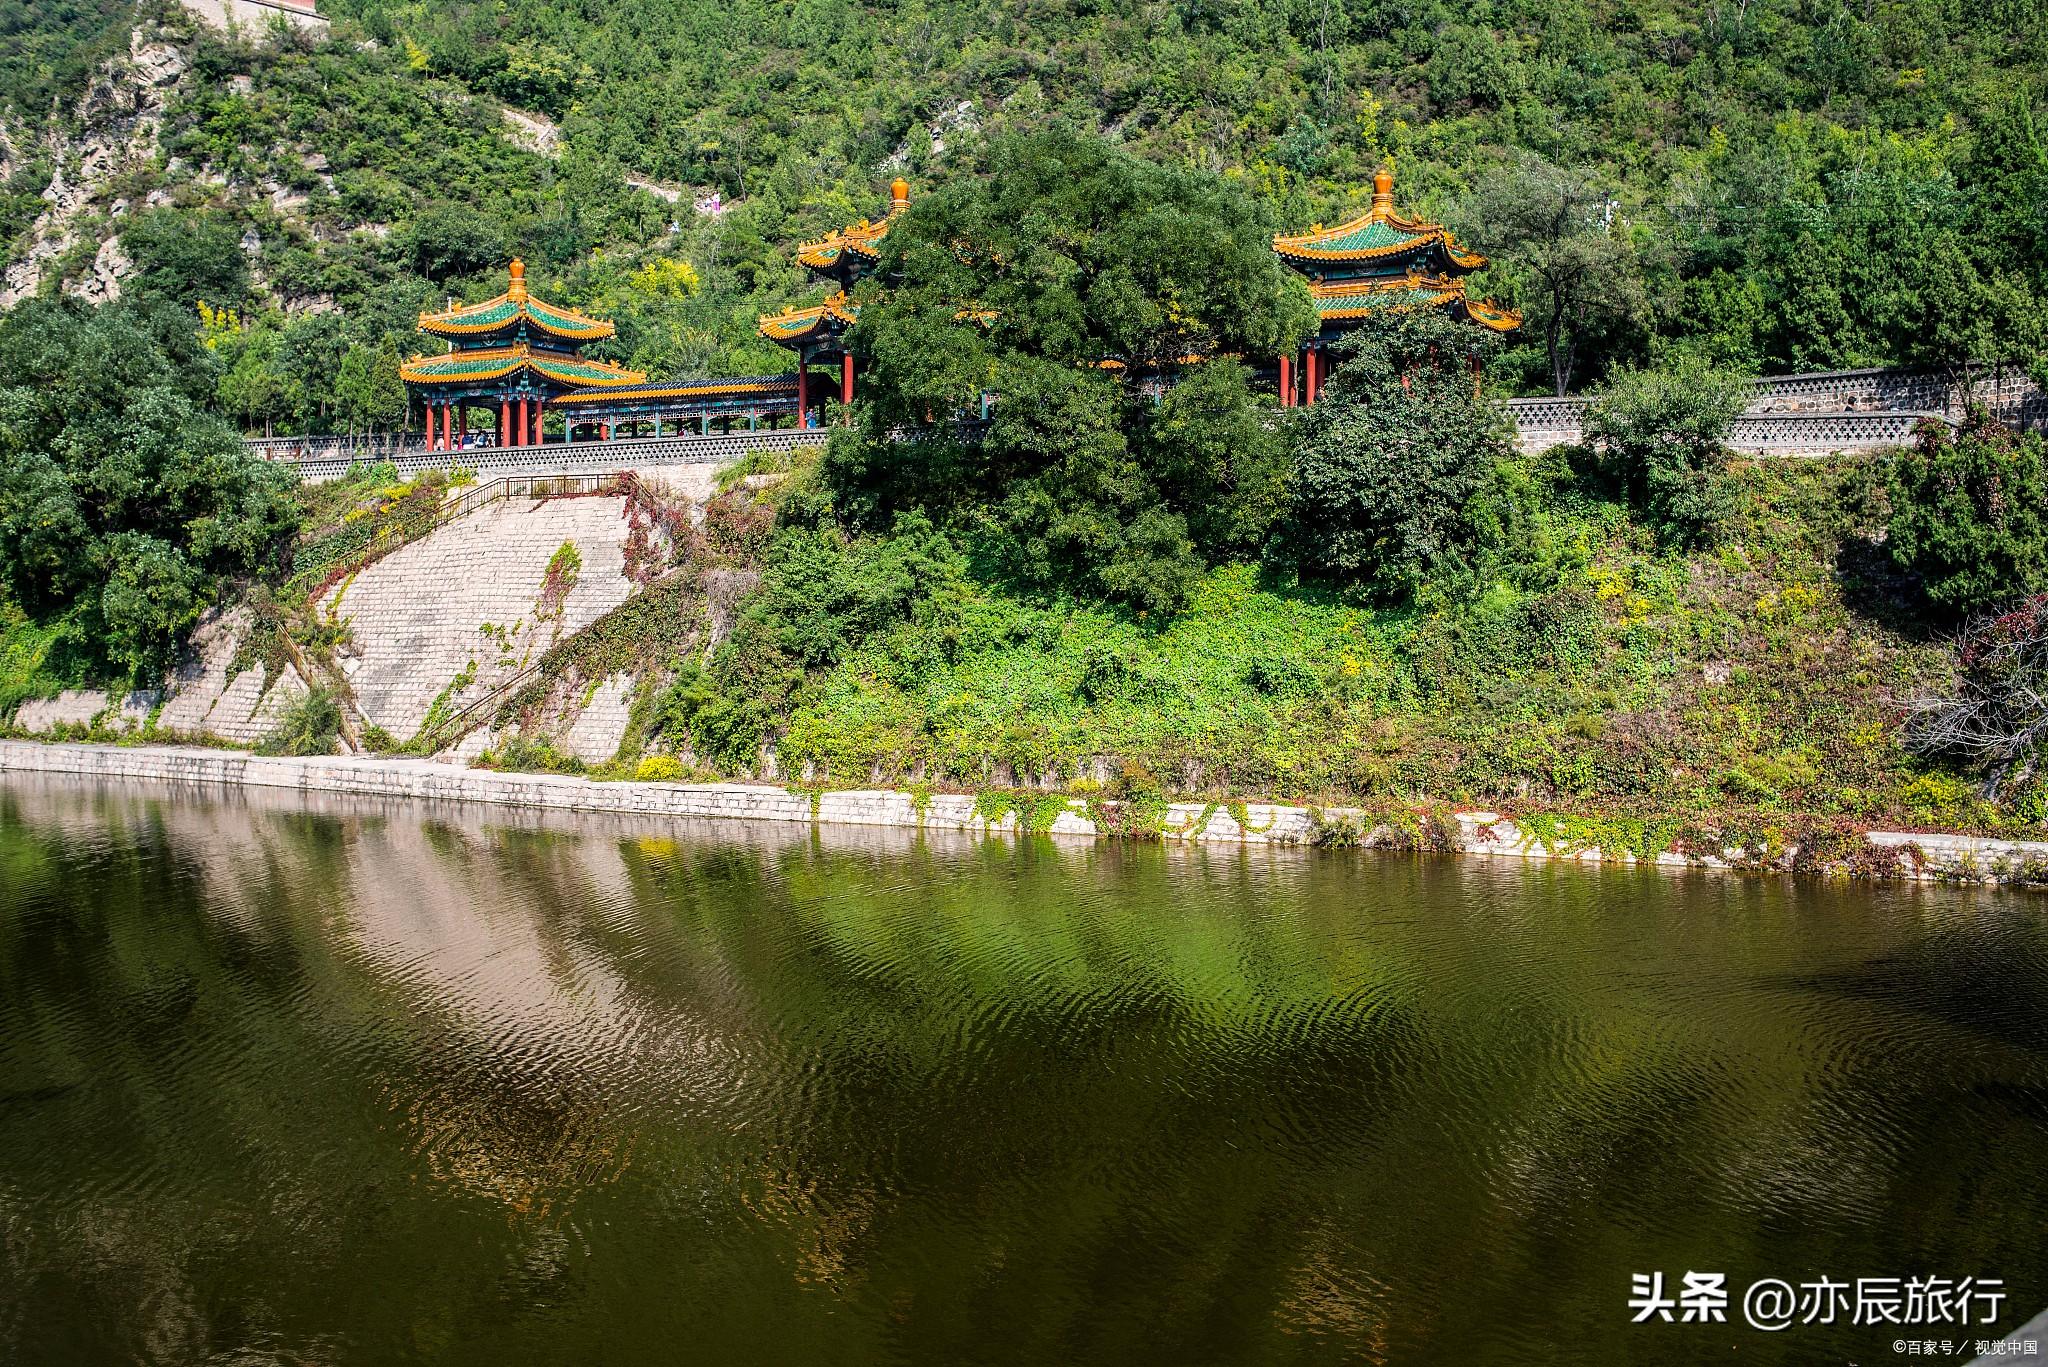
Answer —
321 460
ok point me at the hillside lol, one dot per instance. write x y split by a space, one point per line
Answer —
1784 185
1185 591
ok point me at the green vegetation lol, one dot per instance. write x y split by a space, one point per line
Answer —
48 46
1592 666
124 507
1089 270
1777 186
310 725
1664 430
1144 577
1970 515
1393 467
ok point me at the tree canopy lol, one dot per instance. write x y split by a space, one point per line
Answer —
1392 458
123 503
1061 282
1777 186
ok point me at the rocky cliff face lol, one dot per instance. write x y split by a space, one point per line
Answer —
76 240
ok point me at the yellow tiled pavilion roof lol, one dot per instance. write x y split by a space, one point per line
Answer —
492 363
793 325
1378 233
509 309
767 386
1340 300
858 241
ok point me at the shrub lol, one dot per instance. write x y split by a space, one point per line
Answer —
660 769
1389 461
1664 431
1970 514
309 726
1995 721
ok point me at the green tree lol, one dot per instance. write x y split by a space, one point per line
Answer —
256 384
1219 459
1970 514
123 504
1074 282
1389 462
1665 430
368 392
1565 259
185 257
451 240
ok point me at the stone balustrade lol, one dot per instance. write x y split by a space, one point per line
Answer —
1810 414
324 458
1541 423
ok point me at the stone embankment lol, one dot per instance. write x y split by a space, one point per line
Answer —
446 618
432 626
1893 854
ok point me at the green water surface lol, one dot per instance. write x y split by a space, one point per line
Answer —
284 1081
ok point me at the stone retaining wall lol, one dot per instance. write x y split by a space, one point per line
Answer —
451 615
1919 856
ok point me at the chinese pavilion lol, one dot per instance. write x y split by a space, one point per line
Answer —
512 356
1381 259
518 358
818 333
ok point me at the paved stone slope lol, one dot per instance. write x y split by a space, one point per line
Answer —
456 613
447 617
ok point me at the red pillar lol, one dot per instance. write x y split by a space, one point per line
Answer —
846 378
539 417
430 427
461 425
525 422
504 419
1287 382
803 394
1309 376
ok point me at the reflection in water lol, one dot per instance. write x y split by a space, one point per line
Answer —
283 1080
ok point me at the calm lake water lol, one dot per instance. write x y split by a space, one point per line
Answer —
353 1083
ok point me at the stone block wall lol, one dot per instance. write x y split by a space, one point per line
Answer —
1899 854
456 613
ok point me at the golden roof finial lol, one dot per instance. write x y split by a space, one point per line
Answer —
1383 187
899 192
518 290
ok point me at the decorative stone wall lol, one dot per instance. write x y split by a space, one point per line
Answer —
2006 391
1543 423
1919 856
1827 411
324 458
